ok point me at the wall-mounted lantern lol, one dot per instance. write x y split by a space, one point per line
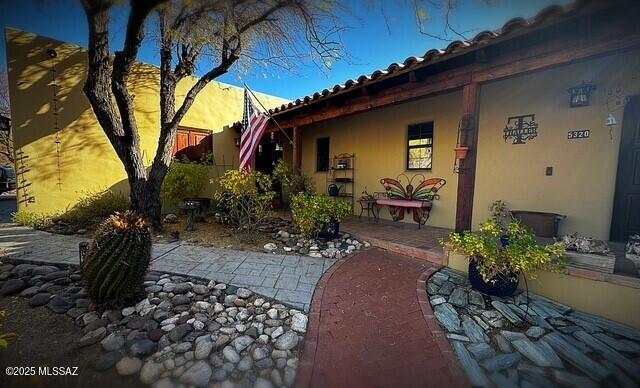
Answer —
237 141
580 94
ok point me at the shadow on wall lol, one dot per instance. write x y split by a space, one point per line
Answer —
61 148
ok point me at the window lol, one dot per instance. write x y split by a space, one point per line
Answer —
192 143
322 154
420 146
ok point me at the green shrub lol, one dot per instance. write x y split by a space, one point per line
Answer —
185 179
117 260
245 197
521 255
312 211
32 219
293 183
94 208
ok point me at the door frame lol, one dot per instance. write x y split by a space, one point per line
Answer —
619 173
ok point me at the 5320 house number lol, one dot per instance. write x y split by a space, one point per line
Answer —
579 134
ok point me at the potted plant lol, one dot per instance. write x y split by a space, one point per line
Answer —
318 215
499 255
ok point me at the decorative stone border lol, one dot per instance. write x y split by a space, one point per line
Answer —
438 334
187 330
529 340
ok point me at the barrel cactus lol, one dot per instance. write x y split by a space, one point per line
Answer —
118 259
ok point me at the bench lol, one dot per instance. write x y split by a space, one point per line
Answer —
418 200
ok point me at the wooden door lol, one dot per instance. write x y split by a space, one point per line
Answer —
626 206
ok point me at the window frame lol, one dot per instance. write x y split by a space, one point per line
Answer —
410 147
328 139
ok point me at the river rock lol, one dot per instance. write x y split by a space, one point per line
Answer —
198 375
128 366
287 341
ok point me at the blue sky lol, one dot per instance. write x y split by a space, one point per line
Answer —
375 39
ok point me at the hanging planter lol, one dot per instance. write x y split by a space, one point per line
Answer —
461 152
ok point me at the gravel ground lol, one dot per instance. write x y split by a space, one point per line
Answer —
48 339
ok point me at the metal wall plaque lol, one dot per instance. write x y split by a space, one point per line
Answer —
578 134
521 128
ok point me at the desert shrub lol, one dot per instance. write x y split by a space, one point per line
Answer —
33 219
311 211
93 208
185 179
117 260
244 198
293 183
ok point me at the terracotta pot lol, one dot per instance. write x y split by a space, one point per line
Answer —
461 152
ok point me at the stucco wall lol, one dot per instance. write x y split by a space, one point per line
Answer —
584 171
379 141
87 162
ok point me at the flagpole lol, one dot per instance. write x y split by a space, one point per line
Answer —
267 112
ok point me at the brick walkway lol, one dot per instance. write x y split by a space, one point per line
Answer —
287 278
367 327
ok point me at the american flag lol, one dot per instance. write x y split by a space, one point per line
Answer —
254 122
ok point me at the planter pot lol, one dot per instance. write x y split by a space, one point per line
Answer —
329 231
504 285
461 152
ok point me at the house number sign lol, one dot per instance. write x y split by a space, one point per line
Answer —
578 134
521 128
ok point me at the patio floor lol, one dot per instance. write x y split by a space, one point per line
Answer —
400 237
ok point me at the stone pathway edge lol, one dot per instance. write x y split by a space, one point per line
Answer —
307 361
437 333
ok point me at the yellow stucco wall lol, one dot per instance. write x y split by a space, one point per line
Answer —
612 301
87 162
379 141
584 171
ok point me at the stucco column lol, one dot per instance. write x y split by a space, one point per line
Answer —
297 150
469 138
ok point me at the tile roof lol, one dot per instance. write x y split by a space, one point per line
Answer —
509 29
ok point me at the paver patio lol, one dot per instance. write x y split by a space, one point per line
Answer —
369 326
287 278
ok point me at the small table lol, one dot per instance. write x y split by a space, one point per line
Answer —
369 206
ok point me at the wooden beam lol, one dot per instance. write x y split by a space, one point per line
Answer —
469 138
297 150
545 56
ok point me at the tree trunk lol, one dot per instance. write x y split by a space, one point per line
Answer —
145 200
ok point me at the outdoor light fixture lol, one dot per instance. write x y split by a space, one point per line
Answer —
52 53
279 147
237 141
580 94
611 122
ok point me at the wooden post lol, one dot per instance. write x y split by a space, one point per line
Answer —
297 150
469 138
